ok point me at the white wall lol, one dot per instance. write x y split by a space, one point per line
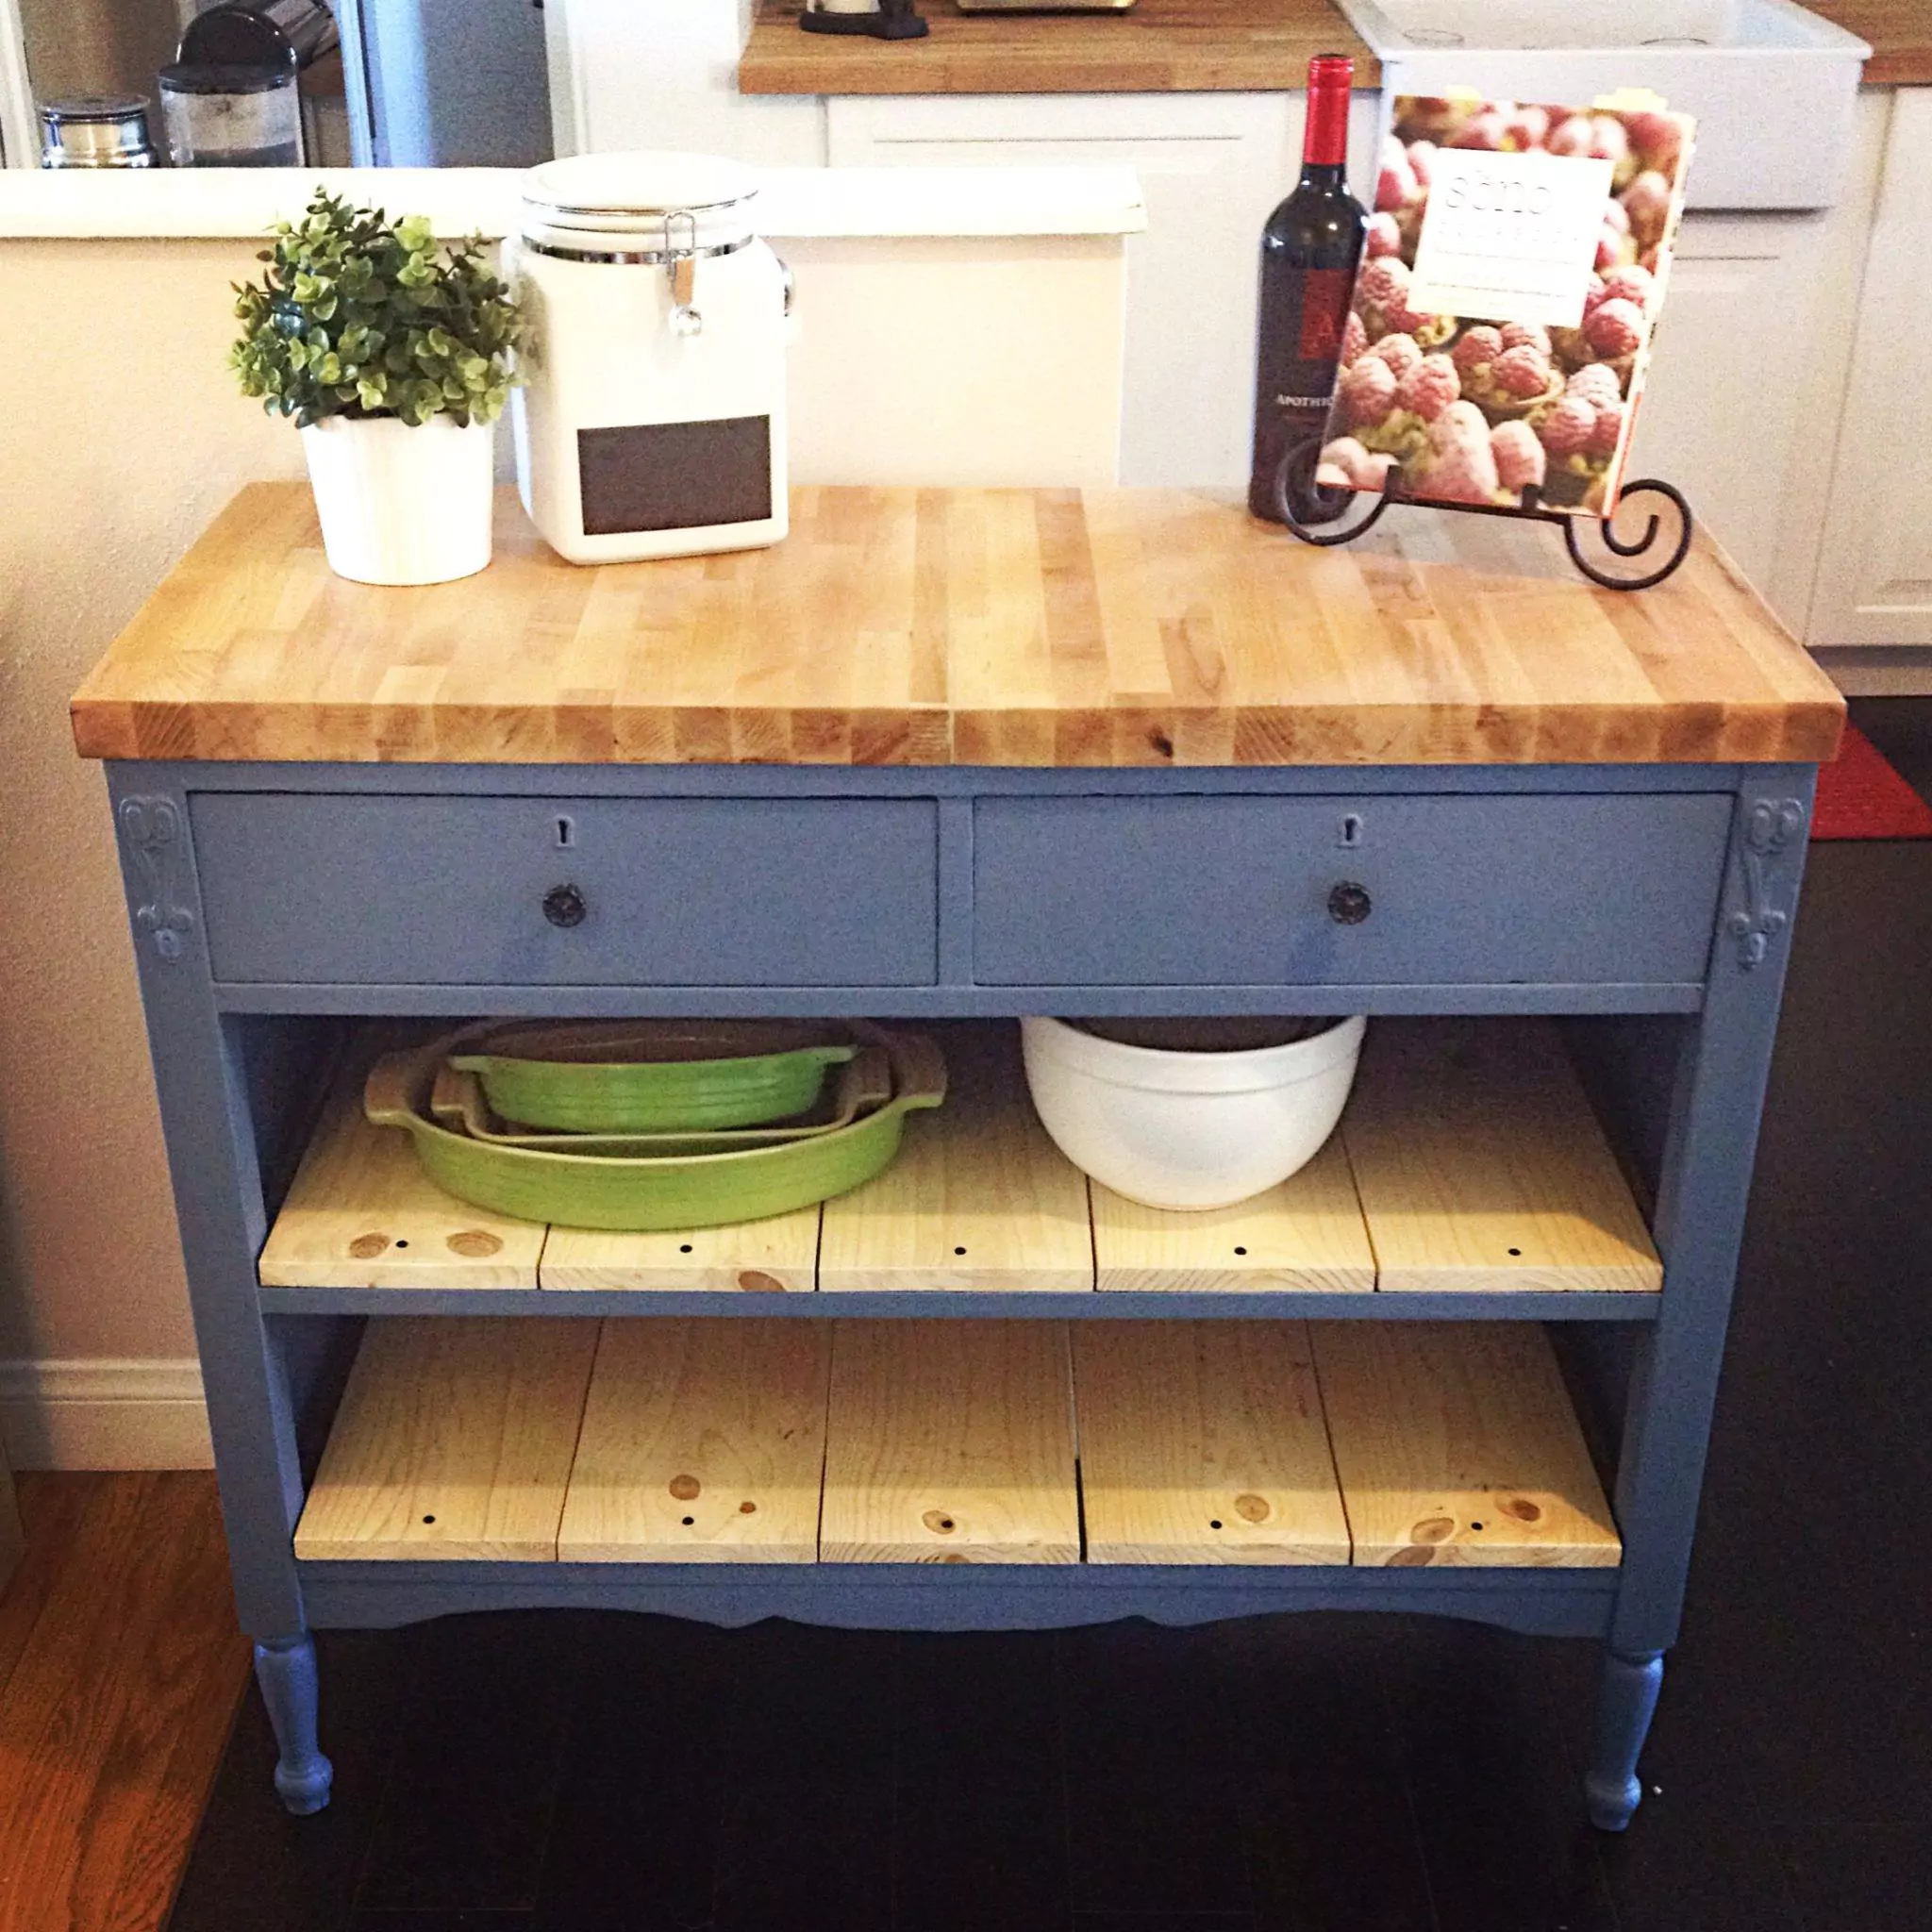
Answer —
931 359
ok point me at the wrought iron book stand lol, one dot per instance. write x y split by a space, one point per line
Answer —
1666 531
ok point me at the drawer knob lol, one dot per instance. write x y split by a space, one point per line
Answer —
564 906
1349 904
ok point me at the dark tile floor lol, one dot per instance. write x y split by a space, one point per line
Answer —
584 1774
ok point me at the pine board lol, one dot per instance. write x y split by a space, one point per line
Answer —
1456 1443
1099 628
950 1443
979 1198
453 1440
1204 1442
702 1441
1481 1166
361 1213
1305 1234
775 1256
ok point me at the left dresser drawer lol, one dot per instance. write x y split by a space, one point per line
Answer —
414 889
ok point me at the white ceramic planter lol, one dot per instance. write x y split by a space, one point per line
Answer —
402 505
1188 1130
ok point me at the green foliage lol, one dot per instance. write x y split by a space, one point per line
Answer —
358 317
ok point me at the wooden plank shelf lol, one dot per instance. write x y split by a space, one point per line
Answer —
1284 1443
1469 1163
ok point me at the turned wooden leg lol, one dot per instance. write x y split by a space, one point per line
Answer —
285 1669
1626 1700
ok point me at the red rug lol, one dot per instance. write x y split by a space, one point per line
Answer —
1862 796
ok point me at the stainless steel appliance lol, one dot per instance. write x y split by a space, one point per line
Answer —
231 117
259 33
97 131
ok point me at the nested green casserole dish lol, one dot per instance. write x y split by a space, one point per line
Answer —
653 1077
862 1086
653 1194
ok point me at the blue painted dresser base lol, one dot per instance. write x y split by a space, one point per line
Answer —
1673 895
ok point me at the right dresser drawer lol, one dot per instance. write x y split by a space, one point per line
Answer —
1213 891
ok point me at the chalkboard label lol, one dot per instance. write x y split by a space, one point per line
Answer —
675 475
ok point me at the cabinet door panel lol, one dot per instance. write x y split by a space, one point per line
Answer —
1874 580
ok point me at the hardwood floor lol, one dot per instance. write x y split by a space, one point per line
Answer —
120 1667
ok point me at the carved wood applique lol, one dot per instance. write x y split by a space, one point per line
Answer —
1770 829
151 830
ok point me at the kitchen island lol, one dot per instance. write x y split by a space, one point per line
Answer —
949 757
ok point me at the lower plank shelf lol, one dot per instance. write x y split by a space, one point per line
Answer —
472 1441
1469 1163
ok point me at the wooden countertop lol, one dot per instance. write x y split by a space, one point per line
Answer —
1161 46
1899 32
1175 46
997 627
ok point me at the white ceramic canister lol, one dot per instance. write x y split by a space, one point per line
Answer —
651 422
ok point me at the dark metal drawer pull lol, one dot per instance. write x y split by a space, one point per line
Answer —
564 906
1349 904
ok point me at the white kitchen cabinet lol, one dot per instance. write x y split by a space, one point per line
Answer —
1211 166
663 73
1751 355
1874 575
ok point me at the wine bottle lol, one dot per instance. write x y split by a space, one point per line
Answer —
1310 252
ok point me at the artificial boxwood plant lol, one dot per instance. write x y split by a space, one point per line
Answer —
360 317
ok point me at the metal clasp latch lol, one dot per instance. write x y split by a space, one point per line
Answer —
681 265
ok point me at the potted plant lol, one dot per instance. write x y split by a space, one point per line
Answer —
395 361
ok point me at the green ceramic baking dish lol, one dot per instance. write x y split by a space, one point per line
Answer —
696 1191
862 1086
653 1077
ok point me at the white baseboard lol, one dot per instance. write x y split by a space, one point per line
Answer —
104 1414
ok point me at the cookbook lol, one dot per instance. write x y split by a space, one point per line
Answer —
1501 322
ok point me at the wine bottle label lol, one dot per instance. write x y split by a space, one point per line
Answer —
1325 307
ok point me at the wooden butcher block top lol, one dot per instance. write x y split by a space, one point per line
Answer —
1165 46
974 627
1161 46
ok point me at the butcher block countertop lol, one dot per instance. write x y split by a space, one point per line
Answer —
1161 46
1166 46
1106 627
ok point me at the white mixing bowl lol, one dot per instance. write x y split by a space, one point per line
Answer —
1188 1130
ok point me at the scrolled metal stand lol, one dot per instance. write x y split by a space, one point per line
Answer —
1656 538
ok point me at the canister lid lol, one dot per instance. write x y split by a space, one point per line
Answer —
212 77
84 110
634 193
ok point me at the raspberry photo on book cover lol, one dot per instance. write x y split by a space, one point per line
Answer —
1472 410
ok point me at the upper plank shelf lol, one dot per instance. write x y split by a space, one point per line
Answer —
1004 627
1469 1162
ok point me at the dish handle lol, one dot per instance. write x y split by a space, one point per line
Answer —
385 1094
921 1067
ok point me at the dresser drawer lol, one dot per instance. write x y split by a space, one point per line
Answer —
1237 891
441 890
